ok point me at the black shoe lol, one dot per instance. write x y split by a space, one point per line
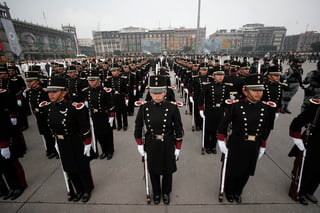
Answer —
8 195
156 199
197 128
103 156
119 128
237 198
77 197
312 198
109 156
166 199
86 197
303 200
52 155
70 197
282 111
214 151
229 198
208 151
16 194
287 111
125 128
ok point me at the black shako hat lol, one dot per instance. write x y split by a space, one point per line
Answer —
157 84
56 84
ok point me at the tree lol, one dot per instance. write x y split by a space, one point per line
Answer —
187 49
246 49
316 46
117 52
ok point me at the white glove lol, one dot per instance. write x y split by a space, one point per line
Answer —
141 150
276 116
5 152
177 153
222 146
261 152
299 143
134 92
86 104
201 114
182 84
191 99
139 88
13 121
19 102
24 94
111 121
186 90
127 102
87 150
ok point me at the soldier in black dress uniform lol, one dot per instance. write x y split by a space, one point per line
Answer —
102 112
75 85
163 138
119 91
212 107
12 145
197 85
251 123
35 94
311 173
69 122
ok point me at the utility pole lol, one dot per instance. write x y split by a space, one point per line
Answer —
198 30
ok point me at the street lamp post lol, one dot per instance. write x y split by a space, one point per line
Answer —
198 29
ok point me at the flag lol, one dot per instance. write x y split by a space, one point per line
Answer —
11 36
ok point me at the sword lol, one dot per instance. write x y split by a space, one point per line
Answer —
223 175
192 117
146 176
67 181
203 134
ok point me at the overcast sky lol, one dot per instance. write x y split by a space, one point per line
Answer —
90 15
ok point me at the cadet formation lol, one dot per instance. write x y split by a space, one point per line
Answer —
77 104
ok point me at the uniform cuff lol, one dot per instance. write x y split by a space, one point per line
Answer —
200 107
220 137
112 114
264 144
4 144
178 144
139 141
87 141
295 134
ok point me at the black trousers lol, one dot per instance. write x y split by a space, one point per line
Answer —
235 184
166 184
210 139
82 181
10 173
106 141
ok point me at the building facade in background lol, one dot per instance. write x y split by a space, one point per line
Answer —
20 40
140 40
301 42
250 37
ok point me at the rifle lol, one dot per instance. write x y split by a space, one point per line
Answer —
224 158
296 174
